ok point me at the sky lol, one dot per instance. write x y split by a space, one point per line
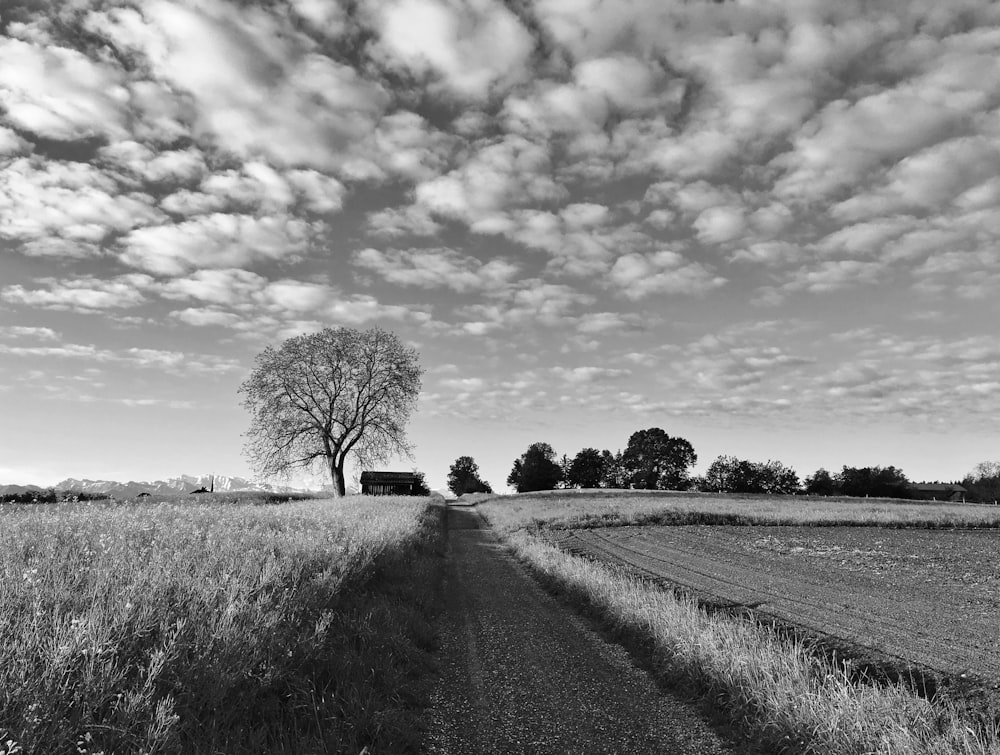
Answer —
770 227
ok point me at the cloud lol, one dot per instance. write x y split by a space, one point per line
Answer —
529 301
172 361
21 331
393 222
468 49
835 275
511 172
81 294
437 268
604 322
58 93
580 375
640 275
257 85
215 240
250 303
66 208
850 139
717 225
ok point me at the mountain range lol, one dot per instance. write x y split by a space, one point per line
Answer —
173 486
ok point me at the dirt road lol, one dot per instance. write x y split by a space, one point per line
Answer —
523 674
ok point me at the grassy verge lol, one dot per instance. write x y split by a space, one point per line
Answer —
206 628
783 697
571 509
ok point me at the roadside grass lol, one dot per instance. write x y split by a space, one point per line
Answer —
604 508
215 627
783 697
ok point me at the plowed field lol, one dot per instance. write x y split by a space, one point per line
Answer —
917 598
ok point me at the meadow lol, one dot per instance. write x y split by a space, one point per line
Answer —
214 626
569 509
771 684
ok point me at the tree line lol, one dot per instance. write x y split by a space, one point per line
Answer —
321 397
654 460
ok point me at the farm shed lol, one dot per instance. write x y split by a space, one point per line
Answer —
937 491
389 483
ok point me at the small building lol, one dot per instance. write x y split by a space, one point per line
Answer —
937 491
389 483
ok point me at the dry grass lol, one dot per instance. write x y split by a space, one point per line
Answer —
203 628
781 696
602 508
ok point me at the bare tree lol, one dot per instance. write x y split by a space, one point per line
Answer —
321 396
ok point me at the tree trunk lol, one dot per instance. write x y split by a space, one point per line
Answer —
337 476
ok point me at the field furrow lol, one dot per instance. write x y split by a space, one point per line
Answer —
907 597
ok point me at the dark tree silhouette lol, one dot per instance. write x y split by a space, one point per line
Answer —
821 483
587 469
727 474
655 461
319 397
463 477
882 482
535 470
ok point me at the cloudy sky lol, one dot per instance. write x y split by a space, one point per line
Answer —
768 226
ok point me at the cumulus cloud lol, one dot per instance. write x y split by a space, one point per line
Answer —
666 272
215 240
511 172
59 93
258 85
437 268
81 294
66 208
578 375
467 48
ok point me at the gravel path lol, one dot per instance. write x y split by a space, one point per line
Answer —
523 674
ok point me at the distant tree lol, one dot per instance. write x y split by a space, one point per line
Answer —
983 482
587 469
421 487
613 470
564 464
537 469
880 482
655 461
821 483
727 474
463 477
322 396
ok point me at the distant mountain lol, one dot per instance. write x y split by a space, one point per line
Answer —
173 486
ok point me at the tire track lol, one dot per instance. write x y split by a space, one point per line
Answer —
892 614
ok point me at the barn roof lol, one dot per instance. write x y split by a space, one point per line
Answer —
938 487
388 477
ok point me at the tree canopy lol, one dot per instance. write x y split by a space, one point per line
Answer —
536 469
463 477
882 482
655 461
983 482
727 474
587 469
320 397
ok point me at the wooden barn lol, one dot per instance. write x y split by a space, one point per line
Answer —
936 491
389 483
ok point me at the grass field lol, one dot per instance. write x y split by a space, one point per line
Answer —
603 508
782 695
214 627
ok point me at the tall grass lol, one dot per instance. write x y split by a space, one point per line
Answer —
610 509
783 698
205 628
